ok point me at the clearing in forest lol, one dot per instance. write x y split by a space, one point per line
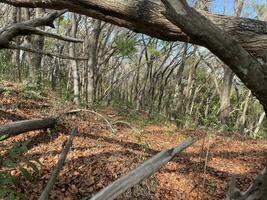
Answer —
99 156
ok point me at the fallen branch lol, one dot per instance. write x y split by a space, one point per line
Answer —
60 163
145 170
16 128
93 112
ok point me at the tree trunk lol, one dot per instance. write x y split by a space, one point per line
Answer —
92 62
16 53
35 60
225 107
258 125
240 123
73 63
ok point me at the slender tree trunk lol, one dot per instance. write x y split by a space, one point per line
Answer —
35 60
240 124
180 84
16 53
74 63
92 62
225 105
258 125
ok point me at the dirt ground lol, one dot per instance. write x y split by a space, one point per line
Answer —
99 156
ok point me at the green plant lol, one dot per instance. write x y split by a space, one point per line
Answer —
6 92
14 159
29 91
125 46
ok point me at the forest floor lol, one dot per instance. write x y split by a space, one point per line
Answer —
99 156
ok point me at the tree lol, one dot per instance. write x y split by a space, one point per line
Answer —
74 65
147 17
92 63
225 106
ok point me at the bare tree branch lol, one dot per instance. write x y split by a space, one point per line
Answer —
29 27
95 113
38 51
58 167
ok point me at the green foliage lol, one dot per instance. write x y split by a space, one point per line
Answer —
5 65
258 7
12 159
125 46
152 50
30 91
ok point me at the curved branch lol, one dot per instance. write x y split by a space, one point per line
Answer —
29 28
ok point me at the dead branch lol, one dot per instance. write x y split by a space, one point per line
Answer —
145 170
93 112
38 51
127 124
16 128
30 27
58 167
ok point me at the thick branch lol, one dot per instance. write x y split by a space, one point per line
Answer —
146 16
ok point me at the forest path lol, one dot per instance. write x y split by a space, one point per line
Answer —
98 156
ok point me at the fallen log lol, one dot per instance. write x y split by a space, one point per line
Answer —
145 170
16 128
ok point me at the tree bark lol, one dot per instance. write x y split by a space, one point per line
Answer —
16 128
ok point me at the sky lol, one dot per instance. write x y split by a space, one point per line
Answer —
218 7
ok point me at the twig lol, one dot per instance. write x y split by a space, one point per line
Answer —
93 112
38 51
145 170
206 163
127 124
60 163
